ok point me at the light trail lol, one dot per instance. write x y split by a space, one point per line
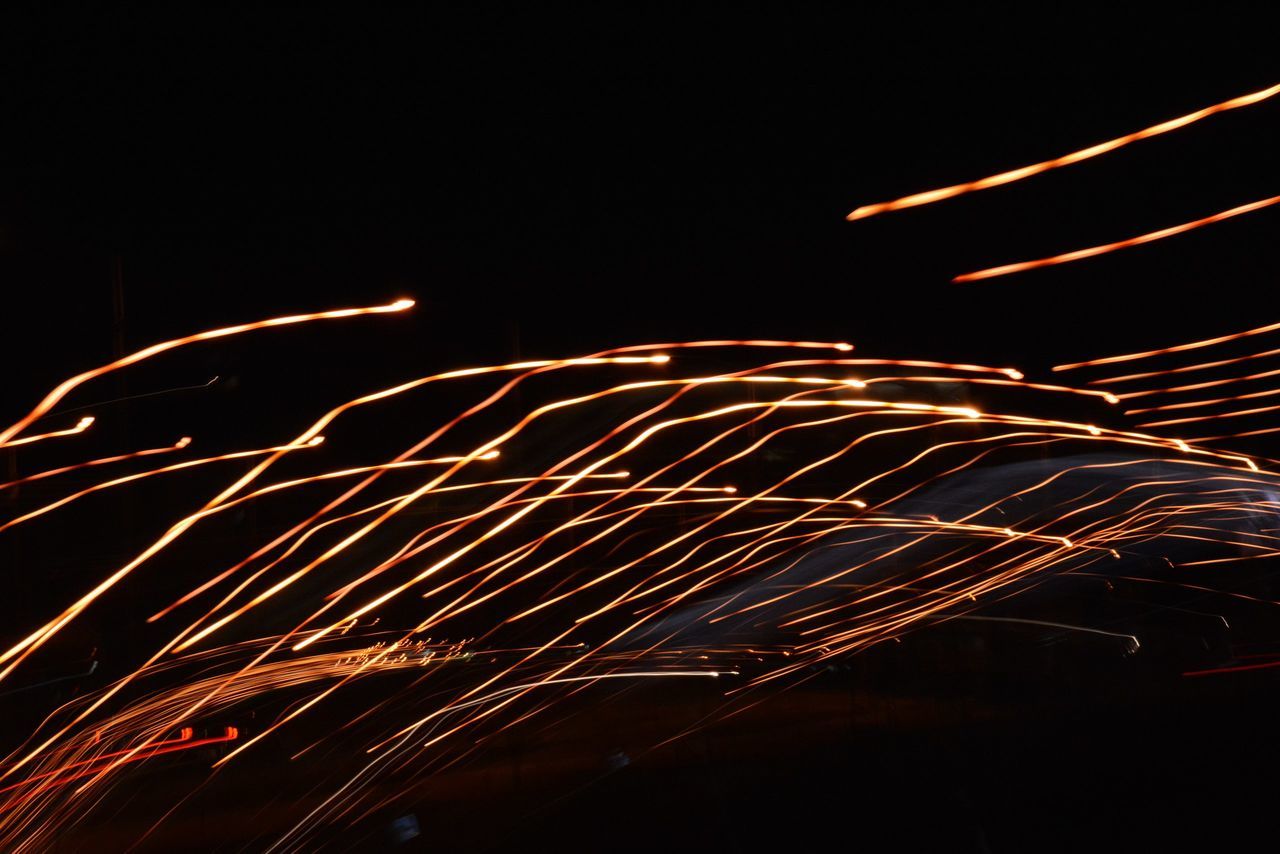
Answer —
63 389
176 446
1176 348
1185 368
930 196
131 478
1261 375
1093 251
1191 404
80 426
1240 413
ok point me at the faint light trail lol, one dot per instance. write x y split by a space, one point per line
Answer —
1238 668
1105 395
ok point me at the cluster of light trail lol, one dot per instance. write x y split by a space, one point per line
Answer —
1162 402
579 540
1019 174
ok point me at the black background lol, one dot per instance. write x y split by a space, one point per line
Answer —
549 184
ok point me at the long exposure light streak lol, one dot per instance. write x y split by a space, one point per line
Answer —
1019 174
80 426
176 446
63 389
1176 348
1092 251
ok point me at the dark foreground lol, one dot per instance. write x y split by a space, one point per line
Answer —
999 740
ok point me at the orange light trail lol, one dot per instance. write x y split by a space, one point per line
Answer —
1261 375
51 399
1265 431
930 196
1177 348
1191 404
81 425
1079 254
1186 368
1240 413
176 446
120 481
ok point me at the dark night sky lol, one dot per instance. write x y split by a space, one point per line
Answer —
560 184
